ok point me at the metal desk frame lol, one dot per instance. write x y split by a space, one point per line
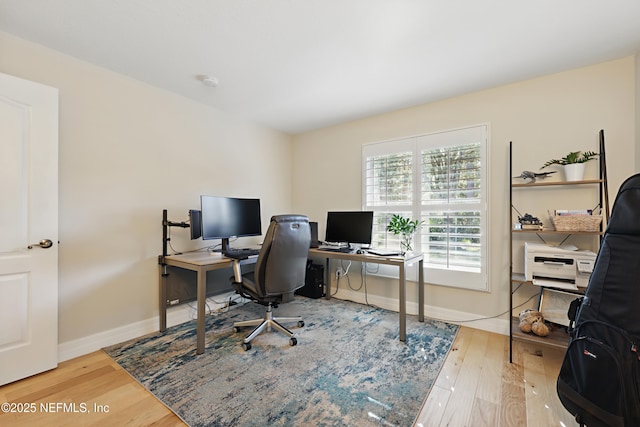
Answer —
201 262
402 262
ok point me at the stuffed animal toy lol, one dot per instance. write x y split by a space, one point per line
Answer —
540 328
532 321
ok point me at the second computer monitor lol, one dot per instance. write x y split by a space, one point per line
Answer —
195 224
349 227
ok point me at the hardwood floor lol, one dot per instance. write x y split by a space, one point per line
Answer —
476 387
89 380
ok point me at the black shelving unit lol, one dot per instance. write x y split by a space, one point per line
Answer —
558 337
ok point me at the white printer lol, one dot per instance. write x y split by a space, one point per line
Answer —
557 267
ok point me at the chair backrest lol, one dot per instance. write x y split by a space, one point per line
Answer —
281 265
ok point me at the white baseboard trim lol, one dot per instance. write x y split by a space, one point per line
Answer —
471 320
175 315
476 321
81 346
186 312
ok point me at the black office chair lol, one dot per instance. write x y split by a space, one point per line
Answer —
279 271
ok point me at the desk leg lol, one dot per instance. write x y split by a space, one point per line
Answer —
163 298
403 302
420 292
327 279
202 296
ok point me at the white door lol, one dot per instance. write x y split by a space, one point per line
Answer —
28 215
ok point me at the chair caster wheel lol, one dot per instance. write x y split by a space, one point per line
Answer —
246 346
300 324
236 329
293 341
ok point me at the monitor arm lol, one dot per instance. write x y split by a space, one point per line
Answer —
165 233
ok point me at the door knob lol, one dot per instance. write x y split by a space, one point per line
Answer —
44 244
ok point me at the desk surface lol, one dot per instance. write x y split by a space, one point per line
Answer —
408 258
202 258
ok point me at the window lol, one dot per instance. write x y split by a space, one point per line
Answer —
439 178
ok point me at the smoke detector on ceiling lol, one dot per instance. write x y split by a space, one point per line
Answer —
208 80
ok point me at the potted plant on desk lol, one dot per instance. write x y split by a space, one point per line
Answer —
573 164
406 228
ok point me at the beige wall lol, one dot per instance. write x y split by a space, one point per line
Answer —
127 151
545 118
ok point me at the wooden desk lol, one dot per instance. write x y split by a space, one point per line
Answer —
402 262
200 262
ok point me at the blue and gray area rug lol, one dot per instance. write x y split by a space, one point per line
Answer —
348 369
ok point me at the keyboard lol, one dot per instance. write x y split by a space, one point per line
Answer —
384 252
341 250
237 253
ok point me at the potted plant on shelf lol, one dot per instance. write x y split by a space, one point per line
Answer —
573 164
406 228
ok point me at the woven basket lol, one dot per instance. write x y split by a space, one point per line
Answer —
577 222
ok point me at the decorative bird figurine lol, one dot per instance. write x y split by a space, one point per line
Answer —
534 175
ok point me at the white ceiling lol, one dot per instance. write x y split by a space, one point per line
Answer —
298 65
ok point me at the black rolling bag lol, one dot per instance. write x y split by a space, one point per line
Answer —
599 378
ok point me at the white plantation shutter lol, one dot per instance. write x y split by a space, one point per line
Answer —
388 186
439 178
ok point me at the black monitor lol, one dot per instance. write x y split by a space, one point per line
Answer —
226 217
195 224
349 227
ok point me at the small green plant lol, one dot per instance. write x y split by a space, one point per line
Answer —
405 227
571 158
